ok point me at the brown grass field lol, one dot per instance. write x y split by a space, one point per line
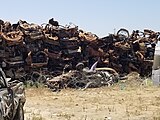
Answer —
127 100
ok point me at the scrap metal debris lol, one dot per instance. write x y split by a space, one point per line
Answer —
52 49
83 78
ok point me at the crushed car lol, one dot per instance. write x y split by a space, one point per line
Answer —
12 98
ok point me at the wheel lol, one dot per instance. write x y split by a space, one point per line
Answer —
123 33
20 112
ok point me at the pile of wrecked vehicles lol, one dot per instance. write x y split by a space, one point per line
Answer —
66 56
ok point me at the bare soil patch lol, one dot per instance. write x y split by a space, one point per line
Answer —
126 100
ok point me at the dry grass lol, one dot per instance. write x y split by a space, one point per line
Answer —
127 100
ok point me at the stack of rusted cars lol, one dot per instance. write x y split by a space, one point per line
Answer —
52 49
133 52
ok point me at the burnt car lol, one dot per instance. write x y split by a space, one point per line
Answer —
12 98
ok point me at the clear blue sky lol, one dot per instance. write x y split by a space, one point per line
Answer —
98 16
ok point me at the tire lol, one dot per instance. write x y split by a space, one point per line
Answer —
123 33
20 112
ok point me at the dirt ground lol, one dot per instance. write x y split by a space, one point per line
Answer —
126 100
